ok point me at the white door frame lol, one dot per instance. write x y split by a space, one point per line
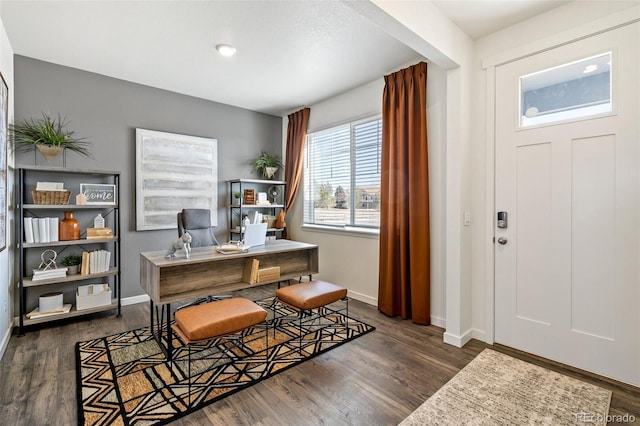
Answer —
608 23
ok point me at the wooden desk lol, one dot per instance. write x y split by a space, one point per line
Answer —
206 272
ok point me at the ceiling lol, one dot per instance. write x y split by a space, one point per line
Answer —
289 53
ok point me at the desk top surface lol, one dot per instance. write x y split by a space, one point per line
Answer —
208 254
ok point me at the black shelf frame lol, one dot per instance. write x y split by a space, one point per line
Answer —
24 282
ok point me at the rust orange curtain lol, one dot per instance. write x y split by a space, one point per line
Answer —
294 162
404 275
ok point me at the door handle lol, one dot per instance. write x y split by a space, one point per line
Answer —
502 240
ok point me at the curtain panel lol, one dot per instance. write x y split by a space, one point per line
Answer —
294 162
404 274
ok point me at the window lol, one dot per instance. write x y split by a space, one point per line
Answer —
342 175
566 92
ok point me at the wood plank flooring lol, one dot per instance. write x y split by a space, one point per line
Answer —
377 379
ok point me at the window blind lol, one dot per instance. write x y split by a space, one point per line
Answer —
342 175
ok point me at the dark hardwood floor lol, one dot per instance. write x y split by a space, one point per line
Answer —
377 379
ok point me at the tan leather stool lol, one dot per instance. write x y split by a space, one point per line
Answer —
305 297
201 323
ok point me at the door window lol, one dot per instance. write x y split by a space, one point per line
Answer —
566 92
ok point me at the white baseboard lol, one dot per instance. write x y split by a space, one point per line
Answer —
438 322
457 341
5 339
135 299
363 298
479 335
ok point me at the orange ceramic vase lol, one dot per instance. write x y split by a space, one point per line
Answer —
68 228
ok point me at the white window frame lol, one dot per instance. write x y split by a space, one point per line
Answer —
359 230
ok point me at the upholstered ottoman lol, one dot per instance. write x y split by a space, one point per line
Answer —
305 297
311 295
220 318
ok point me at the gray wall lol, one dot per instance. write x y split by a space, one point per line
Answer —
108 110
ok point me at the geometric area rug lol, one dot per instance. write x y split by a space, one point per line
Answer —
124 379
496 389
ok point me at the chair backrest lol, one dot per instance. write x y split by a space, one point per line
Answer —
197 222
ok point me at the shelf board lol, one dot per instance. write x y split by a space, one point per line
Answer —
66 170
260 181
28 282
257 206
72 313
234 231
68 206
71 242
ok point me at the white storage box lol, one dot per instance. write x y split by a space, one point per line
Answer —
92 296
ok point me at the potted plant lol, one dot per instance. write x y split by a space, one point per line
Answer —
72 262
267 164
48 135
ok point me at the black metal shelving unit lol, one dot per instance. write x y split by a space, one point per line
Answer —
111 214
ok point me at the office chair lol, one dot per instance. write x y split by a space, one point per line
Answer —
198 223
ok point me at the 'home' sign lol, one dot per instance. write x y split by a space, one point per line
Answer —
99 193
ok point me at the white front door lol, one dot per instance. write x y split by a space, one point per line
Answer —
567 264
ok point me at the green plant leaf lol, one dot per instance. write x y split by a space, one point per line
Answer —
25 135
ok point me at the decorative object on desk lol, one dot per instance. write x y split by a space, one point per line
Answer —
174 172
182 243
249 196
72 262
273 192
69 228
236 196
98 193
280 223
49 135
48 269
267 164
4 122
158 401
232 247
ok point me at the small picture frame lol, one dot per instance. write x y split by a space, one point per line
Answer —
98 193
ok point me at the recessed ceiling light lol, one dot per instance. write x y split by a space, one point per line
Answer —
226 49
590 68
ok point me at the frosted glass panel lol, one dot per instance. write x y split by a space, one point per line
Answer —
570 91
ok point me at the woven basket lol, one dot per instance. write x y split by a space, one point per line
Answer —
50 197
270 220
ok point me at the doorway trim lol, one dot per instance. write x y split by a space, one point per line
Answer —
605 24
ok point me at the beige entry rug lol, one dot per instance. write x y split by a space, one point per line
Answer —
496 389
124 379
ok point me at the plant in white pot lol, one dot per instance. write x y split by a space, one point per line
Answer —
72 262
48 135
267 164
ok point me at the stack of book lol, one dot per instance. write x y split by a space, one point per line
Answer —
254 274
95 262
250 273
40 229
47 274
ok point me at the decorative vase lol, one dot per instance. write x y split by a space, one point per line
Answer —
269 172
50 152
68 228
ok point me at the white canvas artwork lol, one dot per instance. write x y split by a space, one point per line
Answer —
174 172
